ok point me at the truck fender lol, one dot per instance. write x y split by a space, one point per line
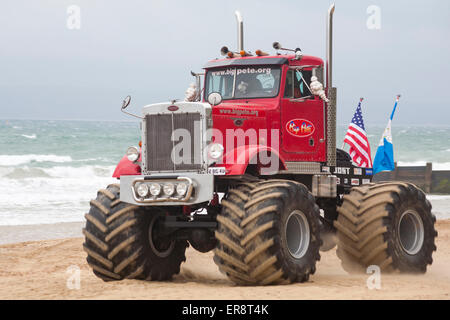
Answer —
267 159
127 168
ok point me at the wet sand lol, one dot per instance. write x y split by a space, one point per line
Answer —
22 233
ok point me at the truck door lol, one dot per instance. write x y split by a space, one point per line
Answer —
302 119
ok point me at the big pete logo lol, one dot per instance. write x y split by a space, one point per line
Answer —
300 127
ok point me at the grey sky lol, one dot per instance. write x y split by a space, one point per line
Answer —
147 48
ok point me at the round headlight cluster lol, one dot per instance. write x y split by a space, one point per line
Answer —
133 154
142 190
182 188
155 189
215 151
167 189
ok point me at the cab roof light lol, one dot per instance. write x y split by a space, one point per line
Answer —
231 54
261 53
244 53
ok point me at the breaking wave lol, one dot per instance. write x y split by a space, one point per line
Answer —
30 195
14 160
84 172
33 136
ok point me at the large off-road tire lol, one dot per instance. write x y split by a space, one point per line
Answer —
121 241
386 224
268 233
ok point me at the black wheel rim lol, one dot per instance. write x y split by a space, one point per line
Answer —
160 247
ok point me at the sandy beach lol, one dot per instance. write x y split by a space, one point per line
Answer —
43 269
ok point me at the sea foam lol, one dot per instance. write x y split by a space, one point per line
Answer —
14 160
30 195
33 136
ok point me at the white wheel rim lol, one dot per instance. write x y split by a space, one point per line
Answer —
158 252
411 232
297 234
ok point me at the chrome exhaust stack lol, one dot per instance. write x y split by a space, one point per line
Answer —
330 47
331 93
240 30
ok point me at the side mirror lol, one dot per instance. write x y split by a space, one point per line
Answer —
214 98
126 102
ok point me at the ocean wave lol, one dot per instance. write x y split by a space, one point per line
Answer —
33 136
14 160
24 173
84 172
47 200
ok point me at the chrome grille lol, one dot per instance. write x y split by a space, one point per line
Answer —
159 144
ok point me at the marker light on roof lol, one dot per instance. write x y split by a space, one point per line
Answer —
244 53
261 53
231 54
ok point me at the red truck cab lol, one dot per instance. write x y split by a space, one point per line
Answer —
267 102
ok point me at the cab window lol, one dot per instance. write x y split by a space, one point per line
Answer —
297 82
244 82
222 82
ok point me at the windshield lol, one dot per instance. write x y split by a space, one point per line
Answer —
244 82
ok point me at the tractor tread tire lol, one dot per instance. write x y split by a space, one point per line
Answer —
249 247
366 228
115 241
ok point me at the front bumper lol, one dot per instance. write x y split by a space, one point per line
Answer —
202 189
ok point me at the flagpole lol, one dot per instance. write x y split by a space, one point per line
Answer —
395 106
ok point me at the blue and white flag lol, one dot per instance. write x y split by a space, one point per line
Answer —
384 158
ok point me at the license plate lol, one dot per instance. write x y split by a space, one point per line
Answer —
217 171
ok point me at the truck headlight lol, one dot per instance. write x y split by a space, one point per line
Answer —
215 151
133 154
168 189
155 189
142 190
182 188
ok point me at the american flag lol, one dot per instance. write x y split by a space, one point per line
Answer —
356 138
